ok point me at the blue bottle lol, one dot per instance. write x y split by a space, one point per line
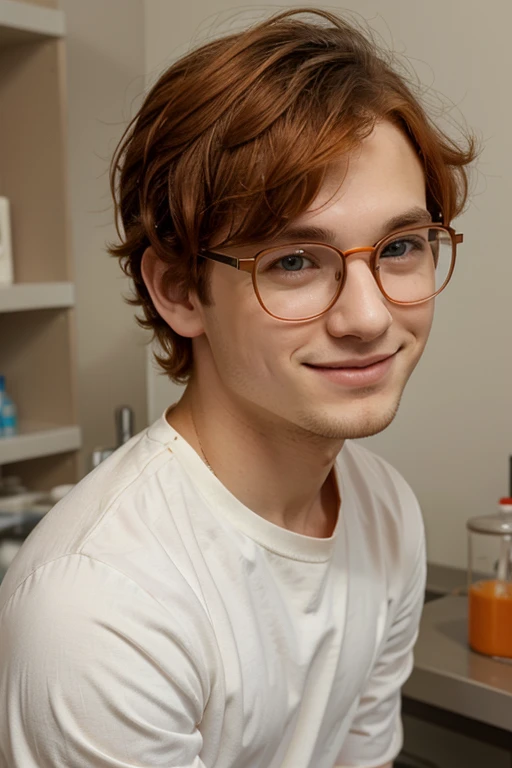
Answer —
8 415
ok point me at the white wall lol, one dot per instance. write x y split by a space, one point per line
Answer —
105 76
453 434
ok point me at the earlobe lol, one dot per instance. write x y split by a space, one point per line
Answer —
181 312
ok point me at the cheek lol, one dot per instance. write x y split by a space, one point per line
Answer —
426 316
416 320
241 335
250 348
247 344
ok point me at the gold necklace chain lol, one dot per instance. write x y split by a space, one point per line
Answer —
201 445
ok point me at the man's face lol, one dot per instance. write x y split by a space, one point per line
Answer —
282 373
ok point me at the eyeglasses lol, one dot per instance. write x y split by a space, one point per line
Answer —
302 281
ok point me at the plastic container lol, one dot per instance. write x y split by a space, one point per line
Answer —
490 600
8 414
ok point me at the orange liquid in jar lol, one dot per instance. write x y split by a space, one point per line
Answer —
490 617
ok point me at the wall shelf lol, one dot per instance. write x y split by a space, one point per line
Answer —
22 22
34 442
37 317
21 297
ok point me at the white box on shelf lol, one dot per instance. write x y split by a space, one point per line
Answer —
6 270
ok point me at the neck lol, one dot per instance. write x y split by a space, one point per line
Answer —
278 471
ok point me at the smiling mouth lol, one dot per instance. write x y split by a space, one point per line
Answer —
356 374
352 364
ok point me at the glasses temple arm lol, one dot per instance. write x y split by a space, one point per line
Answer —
220 257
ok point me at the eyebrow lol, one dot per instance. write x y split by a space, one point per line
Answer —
414 217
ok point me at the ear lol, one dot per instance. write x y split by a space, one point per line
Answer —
181 312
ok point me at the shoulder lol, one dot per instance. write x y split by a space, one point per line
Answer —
375 479
114 654
383 508
377 475
109 512
78 599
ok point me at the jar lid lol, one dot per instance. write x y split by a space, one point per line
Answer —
497 525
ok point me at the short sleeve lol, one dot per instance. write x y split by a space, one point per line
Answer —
93 673
375 736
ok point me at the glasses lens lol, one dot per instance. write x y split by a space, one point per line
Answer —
415 265
298 281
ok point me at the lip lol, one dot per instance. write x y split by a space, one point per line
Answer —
356 373
354 362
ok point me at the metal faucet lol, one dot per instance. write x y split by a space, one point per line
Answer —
124 420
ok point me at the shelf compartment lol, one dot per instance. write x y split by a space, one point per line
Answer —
33 161
22 297
22 22
37 328
37 359
32 443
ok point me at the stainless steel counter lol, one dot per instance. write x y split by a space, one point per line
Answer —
448 675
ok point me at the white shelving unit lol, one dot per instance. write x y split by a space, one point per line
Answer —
37 311
22 22
34 443
22 297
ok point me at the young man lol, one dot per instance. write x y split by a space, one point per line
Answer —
240 585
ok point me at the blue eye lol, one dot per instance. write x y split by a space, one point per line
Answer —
399 248
292 263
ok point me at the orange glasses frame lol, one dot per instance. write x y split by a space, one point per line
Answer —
249 265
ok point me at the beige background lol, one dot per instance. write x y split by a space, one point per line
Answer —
105 68
453 435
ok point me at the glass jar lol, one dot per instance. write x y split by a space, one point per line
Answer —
490 587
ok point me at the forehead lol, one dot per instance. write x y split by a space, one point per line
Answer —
379 181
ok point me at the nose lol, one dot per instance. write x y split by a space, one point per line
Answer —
361 309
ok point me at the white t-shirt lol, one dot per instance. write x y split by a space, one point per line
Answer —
153 620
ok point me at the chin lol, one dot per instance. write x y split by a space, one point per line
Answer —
362 420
